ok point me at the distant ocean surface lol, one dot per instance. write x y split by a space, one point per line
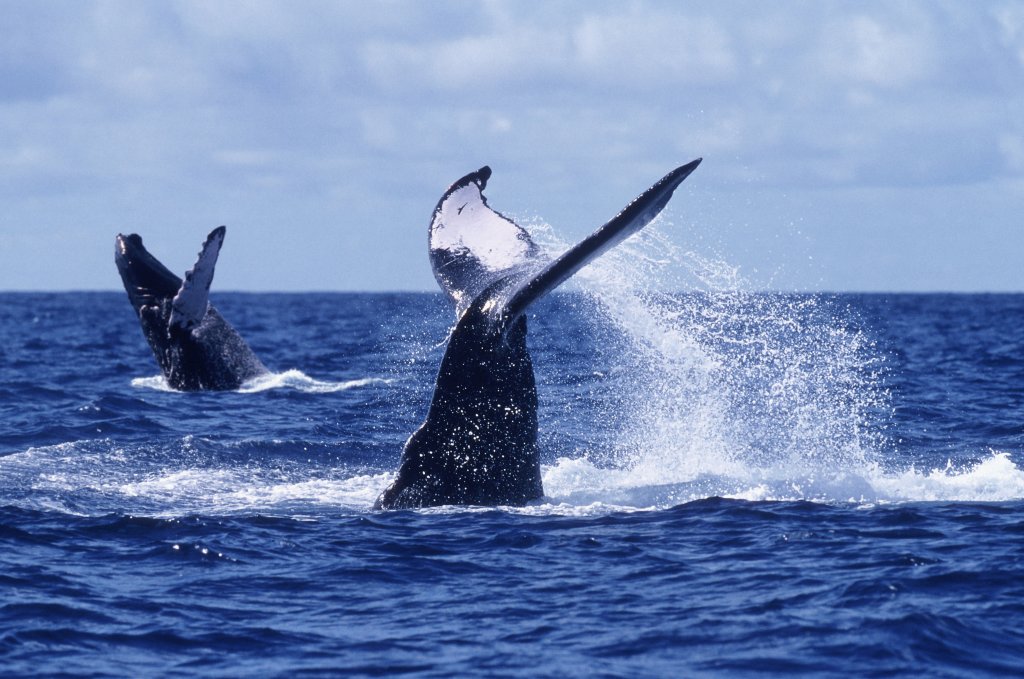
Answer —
738 484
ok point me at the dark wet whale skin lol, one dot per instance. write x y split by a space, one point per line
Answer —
478 445
211 356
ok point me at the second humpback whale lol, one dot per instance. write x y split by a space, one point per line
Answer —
195 347
478 444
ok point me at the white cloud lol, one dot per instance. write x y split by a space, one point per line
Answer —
654 47
1011 21
136 54
1012 148
869 50
471 63
635 48
123 105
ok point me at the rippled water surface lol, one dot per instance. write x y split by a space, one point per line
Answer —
736 484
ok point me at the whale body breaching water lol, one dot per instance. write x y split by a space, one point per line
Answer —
478 444
196 349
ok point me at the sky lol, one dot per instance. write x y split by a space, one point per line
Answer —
848 146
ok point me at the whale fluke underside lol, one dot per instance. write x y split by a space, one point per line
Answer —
472 246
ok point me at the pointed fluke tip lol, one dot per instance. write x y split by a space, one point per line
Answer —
479 178
676 176
683 171
217 233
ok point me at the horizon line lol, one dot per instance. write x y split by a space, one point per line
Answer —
401 291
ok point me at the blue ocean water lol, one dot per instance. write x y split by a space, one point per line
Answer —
738 483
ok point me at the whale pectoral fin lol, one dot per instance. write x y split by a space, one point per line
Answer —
631 219
189 306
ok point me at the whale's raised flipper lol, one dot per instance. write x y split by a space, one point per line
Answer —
478 444
190 304
194 346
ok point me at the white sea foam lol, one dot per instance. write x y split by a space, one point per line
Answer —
245 489
579 483
993 479
99 476
296 379
289 379
156 383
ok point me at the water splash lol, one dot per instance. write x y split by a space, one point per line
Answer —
733 388
994 479
156 383
745 394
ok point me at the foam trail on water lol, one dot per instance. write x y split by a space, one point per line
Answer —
156 383
296 379
191 476
289 379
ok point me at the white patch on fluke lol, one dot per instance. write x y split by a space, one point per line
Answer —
465 224
472 246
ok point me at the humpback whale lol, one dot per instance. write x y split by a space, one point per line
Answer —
478 444
195 347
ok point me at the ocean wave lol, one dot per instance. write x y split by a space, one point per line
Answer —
206 477
296 379
579 482
289 379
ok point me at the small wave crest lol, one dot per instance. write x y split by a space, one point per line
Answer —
579 482
289 379
993 479
156 383
296 379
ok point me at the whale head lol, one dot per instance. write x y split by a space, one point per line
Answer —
149 283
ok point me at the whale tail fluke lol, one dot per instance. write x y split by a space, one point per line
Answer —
478 254
472 246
